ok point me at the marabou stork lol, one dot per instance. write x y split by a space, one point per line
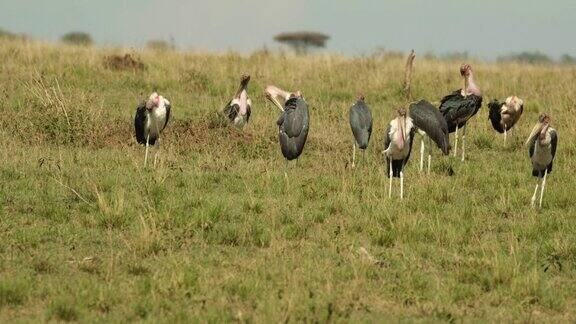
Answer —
505 115
361 124
239 108
151 118
542 140
293 123
430 123
459 106
397 147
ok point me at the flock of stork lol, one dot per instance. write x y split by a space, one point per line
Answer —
454 112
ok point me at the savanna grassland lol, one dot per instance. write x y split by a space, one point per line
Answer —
216 233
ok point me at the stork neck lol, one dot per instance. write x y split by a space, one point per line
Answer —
471 87
241 88
243 102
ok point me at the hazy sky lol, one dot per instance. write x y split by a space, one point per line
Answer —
486 28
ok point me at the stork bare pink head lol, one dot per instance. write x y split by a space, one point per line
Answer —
153 101
465 70
360 97
540 129
245 78
544 118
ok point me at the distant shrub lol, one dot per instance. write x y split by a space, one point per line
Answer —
158 45
382 52
456 56
567 59
4 34
126 62
526 57
77 38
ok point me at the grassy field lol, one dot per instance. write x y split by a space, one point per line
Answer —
215 233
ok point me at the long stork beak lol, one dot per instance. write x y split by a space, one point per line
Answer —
273 99
402 124
243 85
537 129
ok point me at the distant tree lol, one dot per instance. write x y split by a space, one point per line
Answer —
158 45
526 57
567 59
456 56
77 38
4 34
301 42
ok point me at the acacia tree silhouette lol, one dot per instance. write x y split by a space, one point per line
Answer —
301 42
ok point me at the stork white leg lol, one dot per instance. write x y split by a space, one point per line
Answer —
156 150
363 155
463 141
505 135
533 200
429 153
390 185
422 155
542 189
456 142
286 170
146 154
353 155
401 185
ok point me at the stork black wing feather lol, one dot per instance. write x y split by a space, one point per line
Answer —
231 110
387 141
494 115
168 108
412 132
294 119
294 125
248 112
360 119
553 144
429 119
140 122
457 109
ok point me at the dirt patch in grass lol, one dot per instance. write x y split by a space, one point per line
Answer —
184 133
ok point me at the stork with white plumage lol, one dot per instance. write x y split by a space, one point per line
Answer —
239 108
152 116
397 147
504 115
543 141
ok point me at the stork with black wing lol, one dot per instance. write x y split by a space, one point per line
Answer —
543 141
238 110
504 115
152 116
431 124
293 123
461 105
360 119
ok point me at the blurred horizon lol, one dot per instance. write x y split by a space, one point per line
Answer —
485 30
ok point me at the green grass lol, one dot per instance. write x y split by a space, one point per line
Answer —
215 233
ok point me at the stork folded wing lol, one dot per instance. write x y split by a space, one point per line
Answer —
429 119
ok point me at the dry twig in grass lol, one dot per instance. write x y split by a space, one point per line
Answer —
408 75
74 191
